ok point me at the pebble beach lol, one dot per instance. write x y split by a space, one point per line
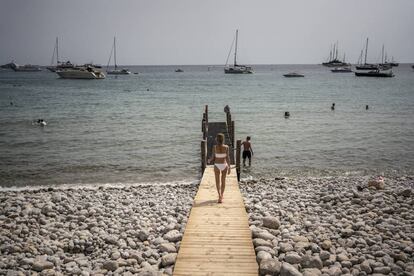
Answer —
132 230
300 226
332 226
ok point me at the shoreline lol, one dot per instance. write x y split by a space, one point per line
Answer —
94 186
307 225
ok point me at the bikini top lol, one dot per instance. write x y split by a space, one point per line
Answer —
221 155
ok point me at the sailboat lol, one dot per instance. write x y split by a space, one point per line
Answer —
116 71
366 66
376 73
59 65
343 69
333 58
384 61
384 65
236 68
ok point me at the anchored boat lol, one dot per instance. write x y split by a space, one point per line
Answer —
376 73
24 68
342 70
333 58
293 75
365 65
116 71
59 65
81 72
236 68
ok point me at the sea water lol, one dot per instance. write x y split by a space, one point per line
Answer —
146 127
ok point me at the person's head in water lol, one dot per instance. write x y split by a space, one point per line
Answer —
220 139
248 138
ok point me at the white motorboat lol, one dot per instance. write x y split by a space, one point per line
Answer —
115 71
25 68
80 73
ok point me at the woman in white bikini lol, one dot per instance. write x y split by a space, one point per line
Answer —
221 164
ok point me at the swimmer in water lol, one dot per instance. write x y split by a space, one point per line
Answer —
41 122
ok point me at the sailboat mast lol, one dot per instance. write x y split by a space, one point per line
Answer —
57 50
53 56
330 54
235 49
382 54
366 51
115 53
336 56
360 56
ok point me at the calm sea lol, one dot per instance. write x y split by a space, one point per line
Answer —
146 128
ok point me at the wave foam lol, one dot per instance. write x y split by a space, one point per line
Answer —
95 186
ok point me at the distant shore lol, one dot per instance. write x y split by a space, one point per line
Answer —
301 225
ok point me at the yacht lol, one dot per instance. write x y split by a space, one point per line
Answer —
236 68
81 72
115 71
25 68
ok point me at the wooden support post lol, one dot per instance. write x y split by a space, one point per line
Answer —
203 121
238 150
232 133
203 155
229 126
204 129
206 112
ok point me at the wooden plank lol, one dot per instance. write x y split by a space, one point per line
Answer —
217 239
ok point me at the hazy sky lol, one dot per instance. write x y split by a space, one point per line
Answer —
201 32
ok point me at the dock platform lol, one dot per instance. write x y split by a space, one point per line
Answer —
217 238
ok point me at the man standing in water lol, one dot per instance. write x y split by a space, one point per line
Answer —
247 151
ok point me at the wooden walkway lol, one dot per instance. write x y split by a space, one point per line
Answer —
217 238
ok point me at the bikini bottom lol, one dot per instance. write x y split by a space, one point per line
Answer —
221 166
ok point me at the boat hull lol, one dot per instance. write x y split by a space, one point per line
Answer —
366 67
118 72
293 75
27 69
238 70
342 70
374 74
80 74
